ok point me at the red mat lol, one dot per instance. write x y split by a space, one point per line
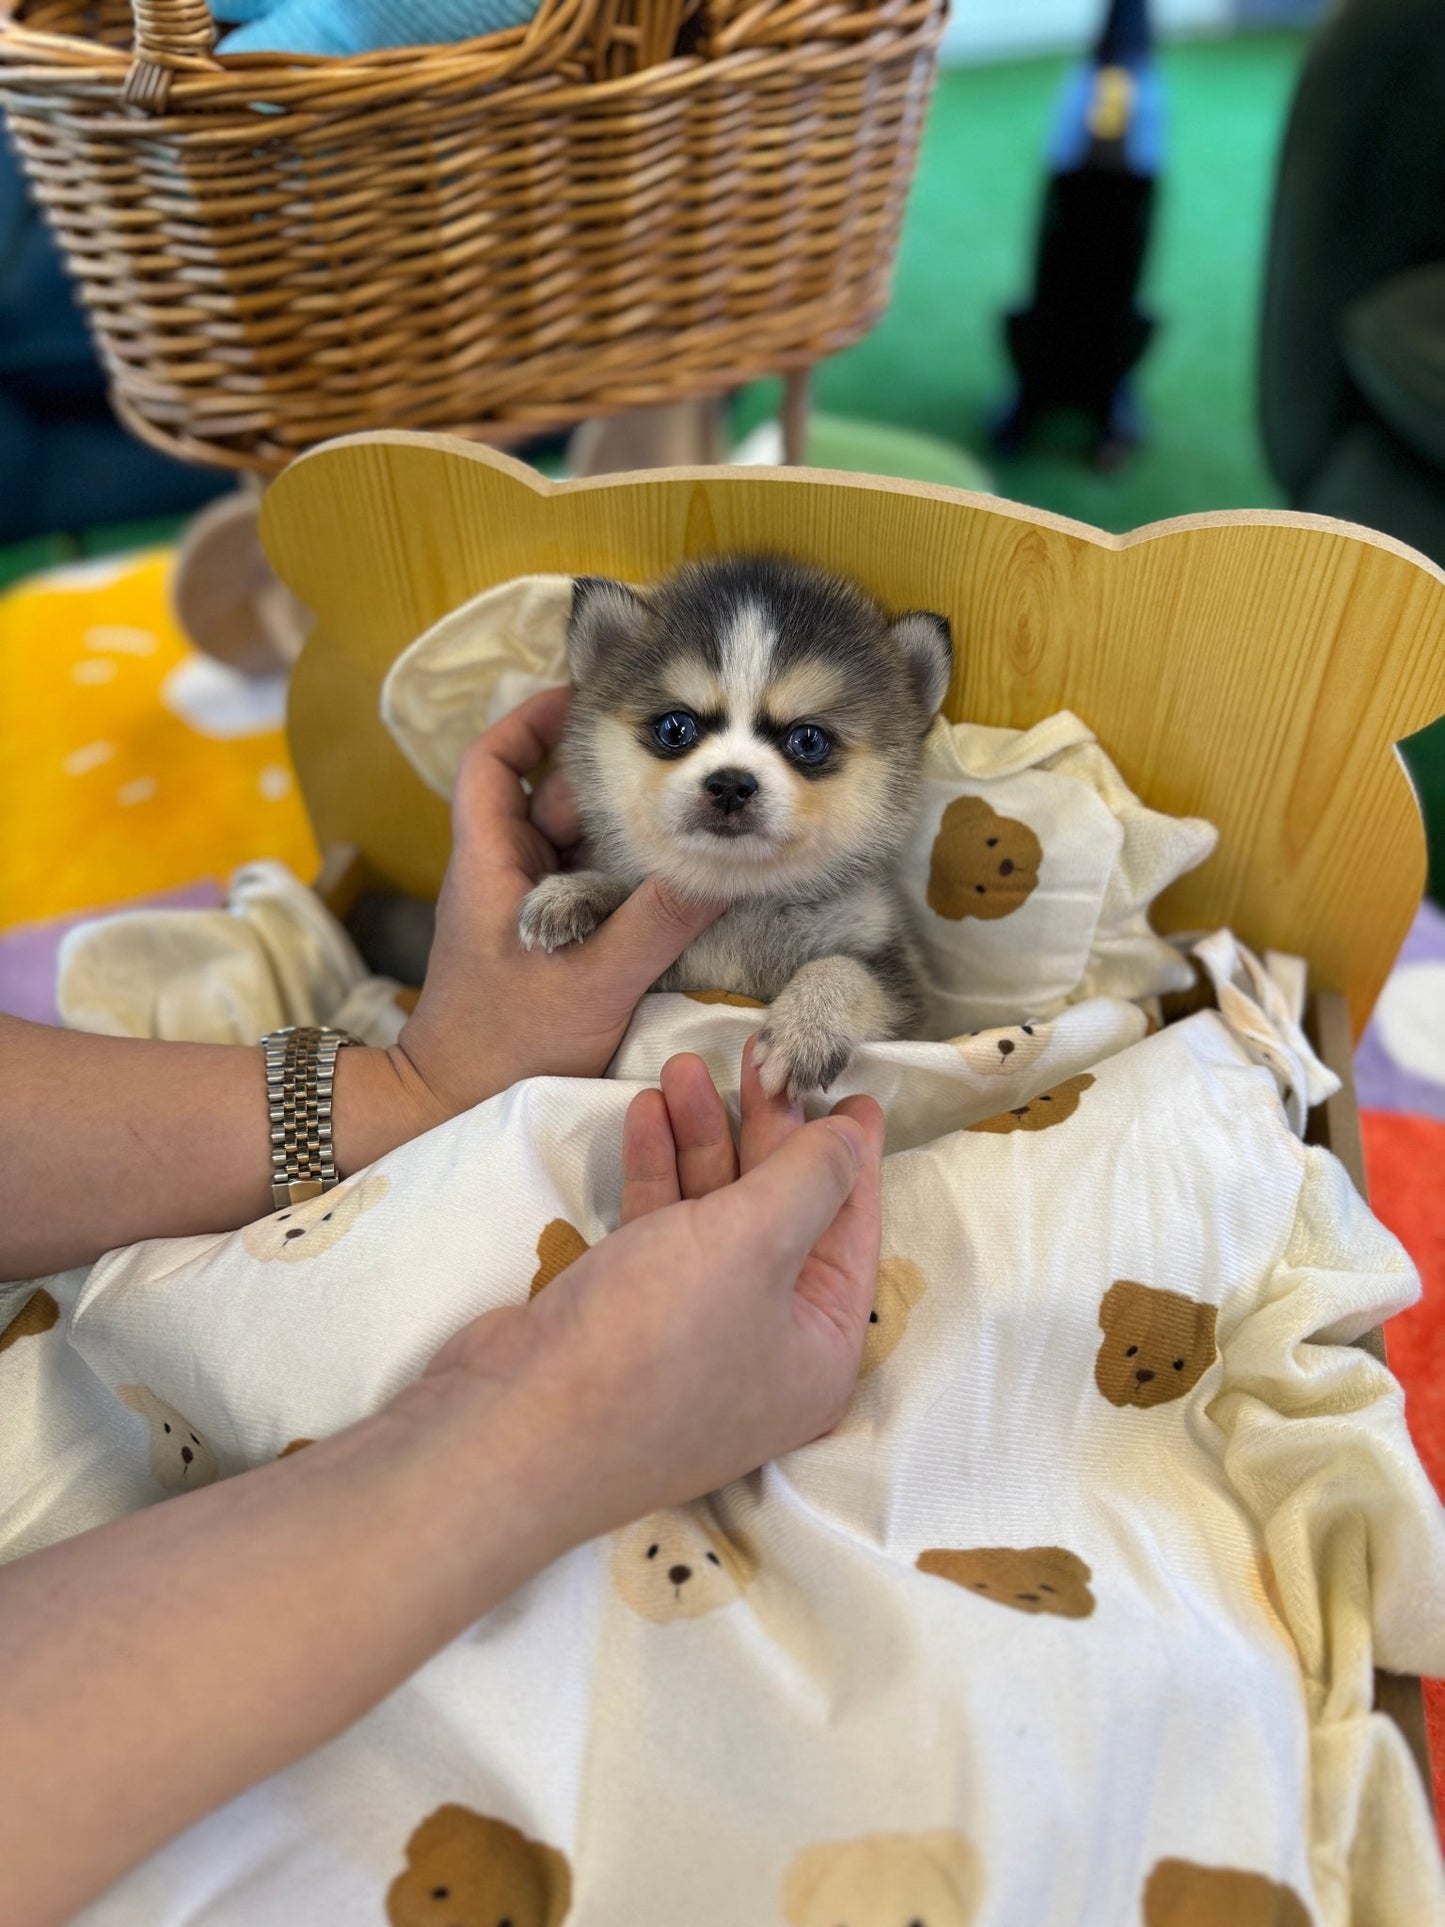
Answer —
1405 1162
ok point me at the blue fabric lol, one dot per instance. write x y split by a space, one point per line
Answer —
361 26
1143 138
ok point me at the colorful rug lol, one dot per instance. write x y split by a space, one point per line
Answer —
131 769
1400 1076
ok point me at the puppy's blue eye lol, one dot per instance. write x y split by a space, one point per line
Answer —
809 744
676 730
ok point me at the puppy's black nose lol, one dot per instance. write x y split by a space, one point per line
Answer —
679 1575
1143 1376
730 788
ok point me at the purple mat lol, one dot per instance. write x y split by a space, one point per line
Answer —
28 952
1381 1082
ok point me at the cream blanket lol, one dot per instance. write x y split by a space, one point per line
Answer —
1071 1622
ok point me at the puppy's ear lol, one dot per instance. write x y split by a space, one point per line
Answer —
604 614
925 641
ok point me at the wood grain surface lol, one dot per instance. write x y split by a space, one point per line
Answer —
1253 668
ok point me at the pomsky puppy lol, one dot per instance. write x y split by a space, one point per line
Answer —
749 731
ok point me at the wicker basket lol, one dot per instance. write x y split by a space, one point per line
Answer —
624 203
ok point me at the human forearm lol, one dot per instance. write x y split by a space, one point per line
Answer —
108 1140
159 1666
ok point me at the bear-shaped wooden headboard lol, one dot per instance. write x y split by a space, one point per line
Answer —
1256 669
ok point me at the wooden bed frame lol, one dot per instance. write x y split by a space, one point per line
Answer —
1256 669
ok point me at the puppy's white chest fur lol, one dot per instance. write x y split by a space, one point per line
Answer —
755 947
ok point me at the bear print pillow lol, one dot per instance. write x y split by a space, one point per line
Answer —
1031 873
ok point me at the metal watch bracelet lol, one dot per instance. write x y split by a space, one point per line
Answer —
300 1068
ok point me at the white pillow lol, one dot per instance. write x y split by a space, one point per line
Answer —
1031 873
468 670
275 955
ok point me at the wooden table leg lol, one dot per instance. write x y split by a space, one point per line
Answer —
684 434
797 405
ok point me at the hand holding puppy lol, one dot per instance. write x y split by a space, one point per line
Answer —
492 1011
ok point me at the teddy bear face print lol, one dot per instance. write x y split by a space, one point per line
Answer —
1179 1893
1157 1345
1040 1113
559 1244
677 1565
35 1317
1029 1579
884 1880
180 1457
1006 1052
466 1870
982 865
900 1286
307 1230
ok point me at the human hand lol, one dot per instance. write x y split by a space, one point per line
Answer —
491 1011
721 1325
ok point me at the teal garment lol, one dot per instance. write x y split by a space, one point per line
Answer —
1350 334
361 26
1352 338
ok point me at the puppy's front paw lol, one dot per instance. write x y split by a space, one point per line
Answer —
800 1055
563 910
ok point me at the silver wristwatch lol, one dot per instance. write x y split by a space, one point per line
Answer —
300 1066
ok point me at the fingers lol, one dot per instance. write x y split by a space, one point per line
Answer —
700 1129
649 1157
849 1246
489 783
766 1121
866 1112
774 1216
676 1142
644 936
554 811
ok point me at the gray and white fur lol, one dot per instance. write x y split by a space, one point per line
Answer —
749 731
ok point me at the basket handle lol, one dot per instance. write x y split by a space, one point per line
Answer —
177 36
169 35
